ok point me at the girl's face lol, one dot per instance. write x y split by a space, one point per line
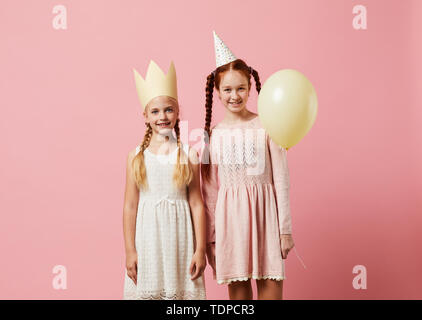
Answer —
161 113
234 90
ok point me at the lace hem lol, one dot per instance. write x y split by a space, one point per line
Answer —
228 281
164 295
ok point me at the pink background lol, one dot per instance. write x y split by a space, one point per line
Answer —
70 115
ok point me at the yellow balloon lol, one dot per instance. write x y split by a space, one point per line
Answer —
287 107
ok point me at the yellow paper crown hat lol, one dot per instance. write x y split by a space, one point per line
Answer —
156 83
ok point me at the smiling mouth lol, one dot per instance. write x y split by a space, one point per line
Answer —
235 103
164 124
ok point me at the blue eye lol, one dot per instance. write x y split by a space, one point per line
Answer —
154 111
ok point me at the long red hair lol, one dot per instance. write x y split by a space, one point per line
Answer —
213 80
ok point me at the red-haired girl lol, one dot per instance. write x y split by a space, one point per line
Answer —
245 188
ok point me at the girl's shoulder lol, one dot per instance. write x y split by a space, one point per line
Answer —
132 154
192 153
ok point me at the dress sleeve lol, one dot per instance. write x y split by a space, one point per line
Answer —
210 188
281 179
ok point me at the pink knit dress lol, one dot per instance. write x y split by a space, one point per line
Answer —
247 202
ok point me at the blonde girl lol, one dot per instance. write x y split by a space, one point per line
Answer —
163 217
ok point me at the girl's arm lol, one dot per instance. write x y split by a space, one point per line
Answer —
195 202
281 180
130 206
210 193
196 205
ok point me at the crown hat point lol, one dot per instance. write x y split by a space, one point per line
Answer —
223 55
156 83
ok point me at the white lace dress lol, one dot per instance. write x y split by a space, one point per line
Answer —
164 237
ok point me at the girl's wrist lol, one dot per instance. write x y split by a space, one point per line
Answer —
130 251
200 251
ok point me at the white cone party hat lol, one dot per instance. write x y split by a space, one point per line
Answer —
223 55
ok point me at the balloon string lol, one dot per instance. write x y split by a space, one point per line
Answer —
297 255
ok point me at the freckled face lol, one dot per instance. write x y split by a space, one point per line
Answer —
234 90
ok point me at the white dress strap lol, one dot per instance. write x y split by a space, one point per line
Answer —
186 148
138 148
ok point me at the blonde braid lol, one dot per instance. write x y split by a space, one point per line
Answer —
138 163
183 173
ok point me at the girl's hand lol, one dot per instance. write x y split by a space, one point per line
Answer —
197 265
287 244
211 256
132 265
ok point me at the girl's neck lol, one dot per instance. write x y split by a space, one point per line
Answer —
236 117
160 139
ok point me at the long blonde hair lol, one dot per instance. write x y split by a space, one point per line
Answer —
183 172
